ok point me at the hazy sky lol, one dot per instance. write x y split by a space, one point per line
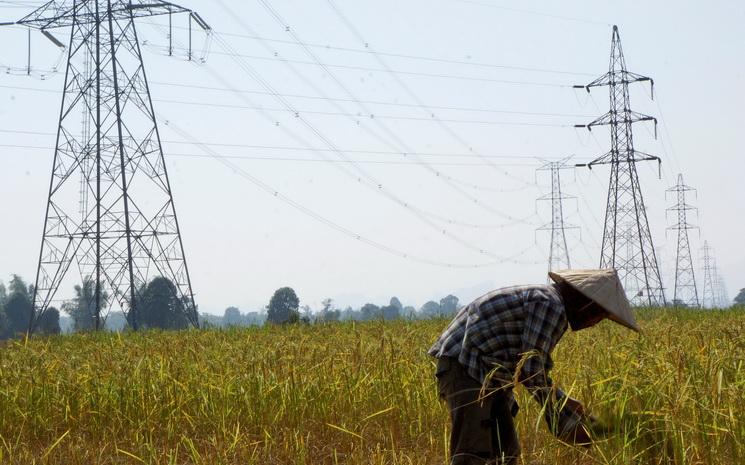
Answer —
450 80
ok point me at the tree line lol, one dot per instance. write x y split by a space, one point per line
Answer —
157 304
159 307
284 308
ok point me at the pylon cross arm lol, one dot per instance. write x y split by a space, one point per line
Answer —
56 14
618 77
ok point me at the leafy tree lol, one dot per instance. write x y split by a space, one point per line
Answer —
283 307
18 287
306 314
18 307
370 312
431 309
115 321
4 325
207 320
348 314
392 310
254 318
409 312
232 317
82 308
448 305
159 306
49 322
328 312
3 319
740 299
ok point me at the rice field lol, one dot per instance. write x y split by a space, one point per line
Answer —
358 394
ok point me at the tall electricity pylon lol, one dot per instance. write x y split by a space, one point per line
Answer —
558 258
627 241
110 211
686 293
708 296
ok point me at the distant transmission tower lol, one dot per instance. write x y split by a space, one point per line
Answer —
686 293
708 296
627 242
720 289
110 212
558 258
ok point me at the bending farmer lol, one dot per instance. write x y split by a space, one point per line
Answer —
512 329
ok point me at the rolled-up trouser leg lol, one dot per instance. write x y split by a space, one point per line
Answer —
482 432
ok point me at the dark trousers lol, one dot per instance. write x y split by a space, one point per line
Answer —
483 432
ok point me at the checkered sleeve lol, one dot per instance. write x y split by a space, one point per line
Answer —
542 329
544 325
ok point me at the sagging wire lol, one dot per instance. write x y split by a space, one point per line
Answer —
38 73
370 116
406 56
170 154
411 94
450 180
316 216
370 181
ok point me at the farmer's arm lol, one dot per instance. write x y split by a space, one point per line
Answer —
543 328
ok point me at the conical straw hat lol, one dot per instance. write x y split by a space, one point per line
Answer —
602 287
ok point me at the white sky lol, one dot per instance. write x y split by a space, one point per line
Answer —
242 243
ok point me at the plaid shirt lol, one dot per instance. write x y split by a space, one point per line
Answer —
491 335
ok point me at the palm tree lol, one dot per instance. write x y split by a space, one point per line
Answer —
82 308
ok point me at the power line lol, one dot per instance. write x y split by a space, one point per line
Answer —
312 149
200 144
293 159
513 82
502 215
407 89
364 116
446 178
314 215
371 181
450 180
329 99
367 51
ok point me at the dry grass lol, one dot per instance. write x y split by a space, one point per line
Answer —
357 394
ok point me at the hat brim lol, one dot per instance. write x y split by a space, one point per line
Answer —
609 313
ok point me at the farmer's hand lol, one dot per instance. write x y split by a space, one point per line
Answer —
576 434
575 406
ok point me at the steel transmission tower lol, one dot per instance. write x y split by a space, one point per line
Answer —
110 212
558 258
708 296
686 292
627 241
721 298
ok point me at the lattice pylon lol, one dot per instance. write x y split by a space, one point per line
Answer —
110 210
708 295
627 241
558 258
686 291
